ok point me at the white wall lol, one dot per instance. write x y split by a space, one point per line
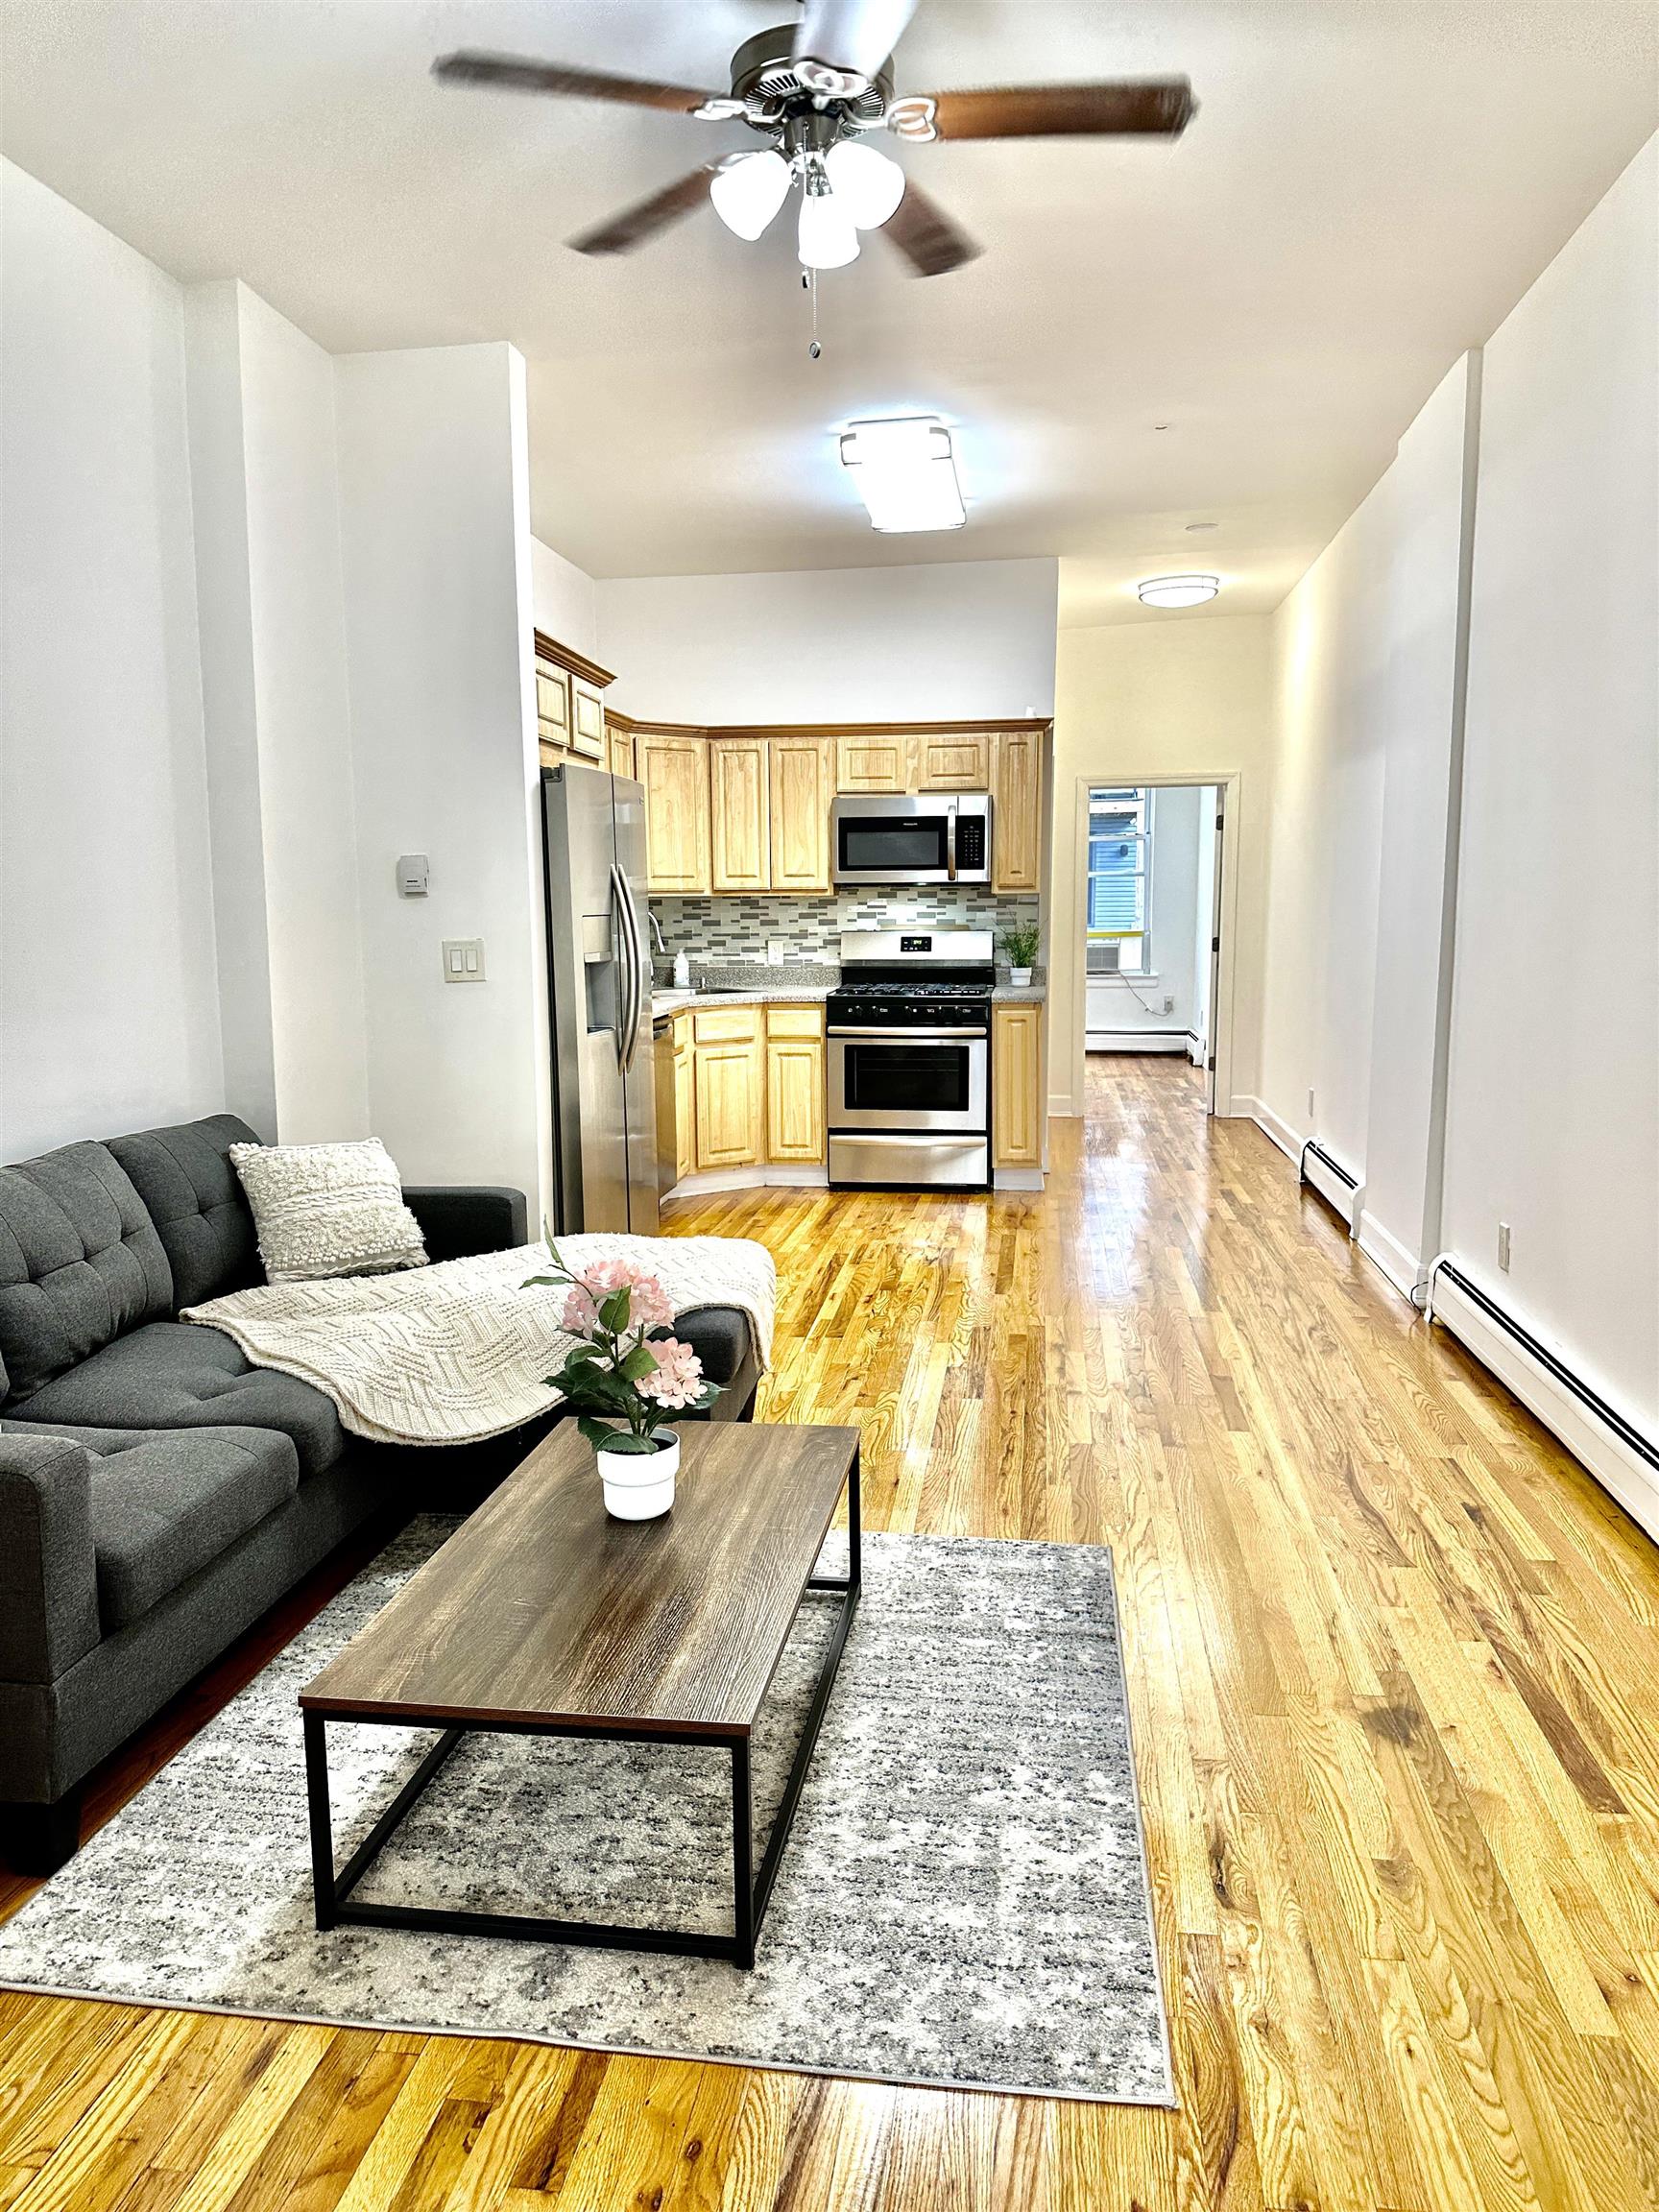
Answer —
945 641
434 507
1553 1110
1136 1003
108 998
1204 928
565 600
1332 671
1137 701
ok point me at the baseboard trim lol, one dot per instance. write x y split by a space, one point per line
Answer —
1265 1119
1018 1179
1623 1458
786 1177
1387 1253
1135 1041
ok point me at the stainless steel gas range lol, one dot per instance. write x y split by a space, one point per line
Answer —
909 1069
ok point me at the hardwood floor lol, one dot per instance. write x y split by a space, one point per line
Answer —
1394 1663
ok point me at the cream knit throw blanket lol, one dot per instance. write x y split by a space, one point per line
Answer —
453 1352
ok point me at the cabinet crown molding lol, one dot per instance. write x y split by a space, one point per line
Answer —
573 664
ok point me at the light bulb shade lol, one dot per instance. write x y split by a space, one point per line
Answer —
1177 590
905 472
828 239
867 184
748 192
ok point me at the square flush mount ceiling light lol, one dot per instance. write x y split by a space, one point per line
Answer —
905 472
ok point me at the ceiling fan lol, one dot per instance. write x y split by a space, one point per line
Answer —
816 92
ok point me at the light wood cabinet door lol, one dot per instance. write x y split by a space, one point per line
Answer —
1016 1085
621 745
740 814
684 1099
675 773
586 720
953 763
795 1084
730 1099
802 781
552 707
1017 831
872 763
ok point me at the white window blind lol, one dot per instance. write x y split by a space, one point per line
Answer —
1119 868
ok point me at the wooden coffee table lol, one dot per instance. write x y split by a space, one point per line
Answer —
544 1617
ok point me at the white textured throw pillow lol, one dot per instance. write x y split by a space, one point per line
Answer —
324 1210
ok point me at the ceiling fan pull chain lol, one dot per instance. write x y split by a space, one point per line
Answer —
810 280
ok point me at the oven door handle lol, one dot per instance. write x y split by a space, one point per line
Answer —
951 842
914 1036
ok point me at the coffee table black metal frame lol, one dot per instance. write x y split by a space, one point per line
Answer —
336 1904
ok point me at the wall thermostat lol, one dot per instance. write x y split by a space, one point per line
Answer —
412 874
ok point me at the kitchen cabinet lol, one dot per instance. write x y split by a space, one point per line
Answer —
684 1099
675 773
872 763
730 1088
1017 826
552 711
803 783
795 1084
953 763
587 719
621 745
1016 1085
739 814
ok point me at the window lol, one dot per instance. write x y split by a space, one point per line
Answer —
1120 873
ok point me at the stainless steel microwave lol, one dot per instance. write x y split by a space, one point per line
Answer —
911 837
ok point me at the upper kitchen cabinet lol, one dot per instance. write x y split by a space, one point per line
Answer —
872 763
803 783
675 773
621 744
569 703
953 762
740 814
1017 830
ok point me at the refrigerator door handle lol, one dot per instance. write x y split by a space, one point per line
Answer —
640 969
627 1008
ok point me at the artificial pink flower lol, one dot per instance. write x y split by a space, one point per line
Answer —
580 1313
677 1378
649 1306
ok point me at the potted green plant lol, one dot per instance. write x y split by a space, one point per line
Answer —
1022 941
623 1389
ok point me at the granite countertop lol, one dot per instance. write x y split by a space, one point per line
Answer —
666 1002
1027 995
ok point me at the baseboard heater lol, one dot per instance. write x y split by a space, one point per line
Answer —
1331 1180
1623 1459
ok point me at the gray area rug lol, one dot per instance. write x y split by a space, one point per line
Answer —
962 1901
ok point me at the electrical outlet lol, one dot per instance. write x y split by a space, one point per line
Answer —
1504 1246
1168 1003
777 952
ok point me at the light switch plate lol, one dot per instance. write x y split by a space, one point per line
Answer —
462 959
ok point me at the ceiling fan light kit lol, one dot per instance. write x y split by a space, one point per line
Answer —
1177 590
814 89
905 468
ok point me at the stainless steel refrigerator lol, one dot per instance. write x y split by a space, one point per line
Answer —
599 1002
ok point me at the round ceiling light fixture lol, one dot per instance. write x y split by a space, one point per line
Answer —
1177 590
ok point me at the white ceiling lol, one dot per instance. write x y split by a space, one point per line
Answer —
1232 328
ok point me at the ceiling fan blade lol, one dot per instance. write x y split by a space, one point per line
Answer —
851 36
1158 107
925 235
520 75
642 220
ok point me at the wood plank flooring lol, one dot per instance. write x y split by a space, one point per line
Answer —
1395 1673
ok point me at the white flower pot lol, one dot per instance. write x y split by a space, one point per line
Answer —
639 1485
1020 978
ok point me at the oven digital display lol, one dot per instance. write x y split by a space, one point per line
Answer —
915 944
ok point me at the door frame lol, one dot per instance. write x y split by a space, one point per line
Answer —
1229 782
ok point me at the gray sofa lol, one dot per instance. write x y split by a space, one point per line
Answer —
158 1494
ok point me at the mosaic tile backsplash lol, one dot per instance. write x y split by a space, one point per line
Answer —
720 932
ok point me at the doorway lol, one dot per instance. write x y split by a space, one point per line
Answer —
1155 891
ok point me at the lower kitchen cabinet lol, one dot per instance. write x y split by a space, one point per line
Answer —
684 1099
1016 1085
729 1087
795 1084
